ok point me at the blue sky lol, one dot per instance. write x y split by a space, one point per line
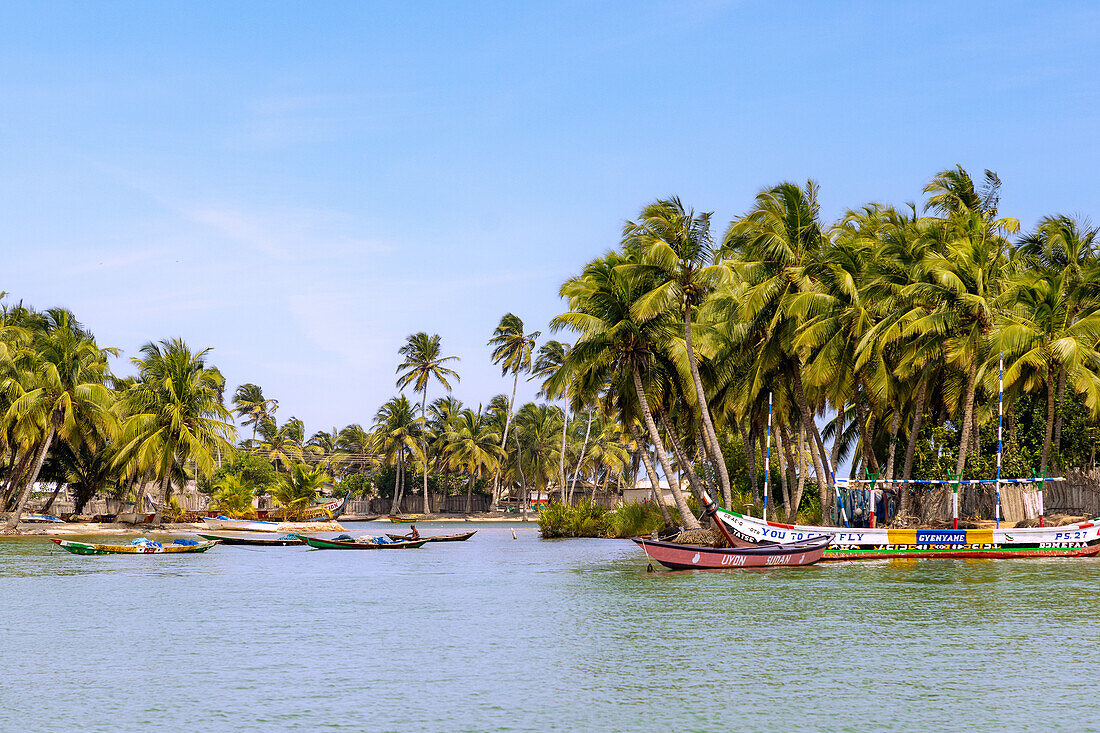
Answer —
301 186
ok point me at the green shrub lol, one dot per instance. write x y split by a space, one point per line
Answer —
584 519
633 519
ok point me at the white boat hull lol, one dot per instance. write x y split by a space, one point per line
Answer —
240 525
757 530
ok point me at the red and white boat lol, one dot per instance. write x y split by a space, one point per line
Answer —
696 557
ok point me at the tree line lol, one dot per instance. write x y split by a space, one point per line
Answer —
878 339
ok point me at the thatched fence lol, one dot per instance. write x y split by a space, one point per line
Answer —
1078 494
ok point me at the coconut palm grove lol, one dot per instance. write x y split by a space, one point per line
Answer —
874 345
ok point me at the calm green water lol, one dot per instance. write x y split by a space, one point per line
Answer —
531 635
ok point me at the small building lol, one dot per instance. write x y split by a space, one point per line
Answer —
643 492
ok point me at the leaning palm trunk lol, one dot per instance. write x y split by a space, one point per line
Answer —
504 442
522 478
580 459
910 449
561 453
808 430
784 466
53 497
682 458
968 414
686 516
715 449
895 425
13 521
652 472
21 467
748 440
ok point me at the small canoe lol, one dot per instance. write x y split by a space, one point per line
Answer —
226 539
695 557
40 518
322 544
406 520
461 537
88 548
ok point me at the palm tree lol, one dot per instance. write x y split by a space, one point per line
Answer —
613 342
282 444
397 435
776 249
675 250
52 385
512 351
253 406
299 486
472 446
175 414
960 278
538 442
423 363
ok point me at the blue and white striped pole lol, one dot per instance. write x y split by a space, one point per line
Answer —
1000 426
767 456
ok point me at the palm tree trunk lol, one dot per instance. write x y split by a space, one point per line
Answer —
424 446
895 425
869 460
395 505
13 521
1060 412
686 516
808 430
681 457
786 478
14 480
747 440
911 448
968 414
561 453
470 493
1047 436
704 410
504 440
522 478
580 459
53 497
654 483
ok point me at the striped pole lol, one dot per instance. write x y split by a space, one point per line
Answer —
1000 426
954 499
767 456
1041 482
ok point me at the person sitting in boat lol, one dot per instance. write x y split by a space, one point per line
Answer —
413 533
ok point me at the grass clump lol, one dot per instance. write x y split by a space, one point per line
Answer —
586 519
583 519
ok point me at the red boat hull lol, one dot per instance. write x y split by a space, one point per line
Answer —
695 557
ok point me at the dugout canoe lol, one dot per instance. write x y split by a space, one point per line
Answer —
402 520
323 544
697 557
89 548
1072 540
240 525
460 537
225 539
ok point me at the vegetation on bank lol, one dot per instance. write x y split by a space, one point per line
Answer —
877 338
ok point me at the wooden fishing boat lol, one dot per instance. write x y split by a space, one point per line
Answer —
152 548
339 544
239 525
696 557
135 517
319 512
225 539
1072 540
40 518
460 537
406 520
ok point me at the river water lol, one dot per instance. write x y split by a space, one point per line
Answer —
496 634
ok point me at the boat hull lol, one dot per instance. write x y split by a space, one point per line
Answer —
322 544
1074 540
402 520
89 548
461 537
240 525
695 557
253 541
